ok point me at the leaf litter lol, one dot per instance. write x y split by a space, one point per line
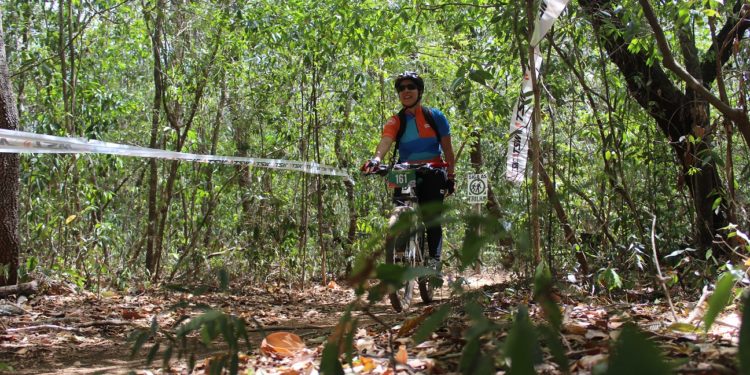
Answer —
79 332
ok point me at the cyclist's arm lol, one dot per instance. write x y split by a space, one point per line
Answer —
447 145
383 147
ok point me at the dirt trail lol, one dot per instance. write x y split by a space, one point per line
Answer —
82 333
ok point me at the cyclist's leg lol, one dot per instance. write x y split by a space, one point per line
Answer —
430 194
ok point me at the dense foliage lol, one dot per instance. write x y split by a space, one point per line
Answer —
311 81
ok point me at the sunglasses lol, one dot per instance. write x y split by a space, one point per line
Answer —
410 86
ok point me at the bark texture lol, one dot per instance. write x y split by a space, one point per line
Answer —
677 113
9 174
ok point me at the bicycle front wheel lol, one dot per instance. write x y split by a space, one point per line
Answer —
396 252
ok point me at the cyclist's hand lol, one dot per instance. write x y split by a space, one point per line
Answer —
450 185
371 166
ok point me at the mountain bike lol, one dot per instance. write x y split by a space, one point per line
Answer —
406 242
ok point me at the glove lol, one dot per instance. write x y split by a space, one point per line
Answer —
370 166
450 185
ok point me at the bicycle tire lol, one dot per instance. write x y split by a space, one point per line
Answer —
426 283
394 252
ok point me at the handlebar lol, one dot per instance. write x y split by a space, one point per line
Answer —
384 168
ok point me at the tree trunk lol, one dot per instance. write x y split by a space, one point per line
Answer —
9 175
318 180
570 233
211 203
677 114
153 182
349 186
535 142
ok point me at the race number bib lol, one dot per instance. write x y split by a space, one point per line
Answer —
402 178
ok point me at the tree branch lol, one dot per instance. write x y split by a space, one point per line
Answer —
670 63
732 27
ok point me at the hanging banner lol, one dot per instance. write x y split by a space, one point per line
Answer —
520 126
520 120
12 141
549 10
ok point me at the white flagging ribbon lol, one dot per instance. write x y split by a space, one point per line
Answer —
520 120
12 141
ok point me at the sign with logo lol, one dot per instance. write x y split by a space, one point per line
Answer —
477 188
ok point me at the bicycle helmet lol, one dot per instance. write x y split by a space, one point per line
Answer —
412 76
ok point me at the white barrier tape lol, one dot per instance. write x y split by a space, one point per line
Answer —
12 141
520 120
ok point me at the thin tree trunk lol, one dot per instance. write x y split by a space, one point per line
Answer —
153 182
609 170
304 203
349 187
318 179
535 140
570 234
9 175
182 127
211 204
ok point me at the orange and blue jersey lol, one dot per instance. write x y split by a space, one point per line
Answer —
419 141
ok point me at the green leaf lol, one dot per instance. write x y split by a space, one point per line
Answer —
552 338
223 279
430 324
543 295
456 83
682 327
140 338
719 299
716 203
167 356
479 75
744 350
330 364
392 274
634 354
710 13
522 346
473 361
152 353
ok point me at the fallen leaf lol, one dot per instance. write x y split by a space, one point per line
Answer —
594 334
130 314
682 327
589 361
411 324
367 363
402 357
575 329
282 344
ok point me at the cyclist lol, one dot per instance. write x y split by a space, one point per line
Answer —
420 142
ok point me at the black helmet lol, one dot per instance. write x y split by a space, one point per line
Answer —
412 76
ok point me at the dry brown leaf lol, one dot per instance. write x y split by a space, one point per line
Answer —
411 324
367 363
575 329
282 344
130 314
595 334
589 361
401 356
